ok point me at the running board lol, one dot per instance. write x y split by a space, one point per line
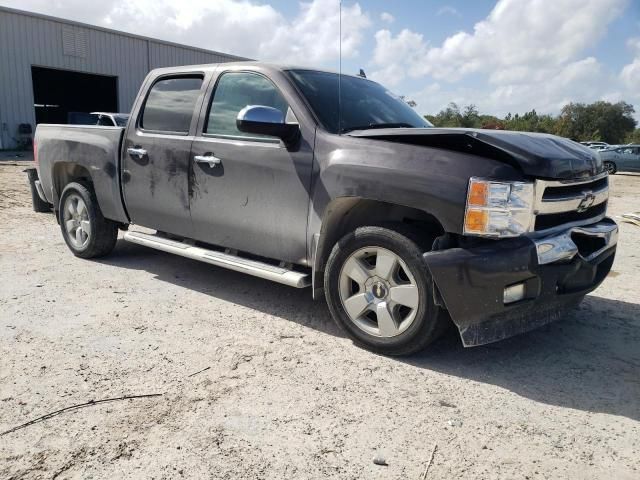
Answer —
222 259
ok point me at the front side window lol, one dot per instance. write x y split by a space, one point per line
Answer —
234 91
170 104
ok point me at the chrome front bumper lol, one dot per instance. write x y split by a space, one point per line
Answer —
587 241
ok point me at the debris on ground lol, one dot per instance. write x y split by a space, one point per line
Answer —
380 460
633 218
426 470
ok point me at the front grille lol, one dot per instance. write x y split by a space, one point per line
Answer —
573 202
553 193
545 222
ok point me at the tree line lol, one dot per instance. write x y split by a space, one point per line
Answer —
599 121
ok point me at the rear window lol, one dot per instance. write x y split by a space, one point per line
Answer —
170 104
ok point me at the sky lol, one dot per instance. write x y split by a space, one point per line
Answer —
501 55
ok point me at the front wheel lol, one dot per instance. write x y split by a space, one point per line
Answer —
87 233
380 292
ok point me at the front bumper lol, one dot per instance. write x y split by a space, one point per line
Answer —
556 271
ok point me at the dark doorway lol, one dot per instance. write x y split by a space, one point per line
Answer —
62 96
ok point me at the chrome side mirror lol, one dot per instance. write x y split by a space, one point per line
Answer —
262 120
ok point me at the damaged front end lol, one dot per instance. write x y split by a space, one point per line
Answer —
499 289
496 288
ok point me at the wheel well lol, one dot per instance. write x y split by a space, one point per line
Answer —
65 173
344 215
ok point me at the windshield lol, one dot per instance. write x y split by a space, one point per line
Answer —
365 104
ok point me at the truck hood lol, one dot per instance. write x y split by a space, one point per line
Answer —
535 154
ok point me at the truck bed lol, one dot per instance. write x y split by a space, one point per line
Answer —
95 149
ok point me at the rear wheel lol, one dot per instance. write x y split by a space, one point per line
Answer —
87 233
610 167
380 292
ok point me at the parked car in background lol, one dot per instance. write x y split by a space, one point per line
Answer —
111 119
596 145
105 119
82 118
625 158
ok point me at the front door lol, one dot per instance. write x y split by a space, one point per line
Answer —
156 155
249 192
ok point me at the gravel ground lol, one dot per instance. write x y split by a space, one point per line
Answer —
281 392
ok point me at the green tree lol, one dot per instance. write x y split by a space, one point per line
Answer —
470 117
604 121
449 117
609 122
633 137
452 116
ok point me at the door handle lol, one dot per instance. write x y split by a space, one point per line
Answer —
136 152
209 159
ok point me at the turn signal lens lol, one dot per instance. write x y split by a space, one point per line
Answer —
478 194
476 221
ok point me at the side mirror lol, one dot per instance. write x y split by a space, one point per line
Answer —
262 120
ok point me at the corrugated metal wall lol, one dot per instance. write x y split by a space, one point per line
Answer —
30 39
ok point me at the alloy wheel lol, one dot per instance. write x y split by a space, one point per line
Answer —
378 292
76 220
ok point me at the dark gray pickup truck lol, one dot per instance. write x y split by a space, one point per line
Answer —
403 227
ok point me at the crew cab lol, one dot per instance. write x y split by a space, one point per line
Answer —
310 178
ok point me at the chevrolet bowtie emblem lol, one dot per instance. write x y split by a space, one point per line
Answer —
587 201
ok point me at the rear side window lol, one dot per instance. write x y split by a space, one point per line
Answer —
170 104
236 90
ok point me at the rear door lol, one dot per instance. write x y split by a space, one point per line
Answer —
254 195
630 159
156 153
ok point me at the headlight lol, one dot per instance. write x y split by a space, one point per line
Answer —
498 209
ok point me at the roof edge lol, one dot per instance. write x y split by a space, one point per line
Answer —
117 32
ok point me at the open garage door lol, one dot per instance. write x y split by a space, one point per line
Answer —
63 96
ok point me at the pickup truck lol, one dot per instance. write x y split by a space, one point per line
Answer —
311 178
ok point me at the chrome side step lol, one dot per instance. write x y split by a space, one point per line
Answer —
222 259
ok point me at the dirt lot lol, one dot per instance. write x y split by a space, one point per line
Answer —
284 394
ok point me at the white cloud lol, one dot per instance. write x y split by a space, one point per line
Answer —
386 17
394 56
630 74
242 27
584 80
525 54
312 37
448 10
523 34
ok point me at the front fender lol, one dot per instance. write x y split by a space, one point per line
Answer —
429 179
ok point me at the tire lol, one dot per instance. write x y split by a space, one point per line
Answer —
97 235
416 320
610 167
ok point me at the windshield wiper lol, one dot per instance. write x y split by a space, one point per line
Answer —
371 126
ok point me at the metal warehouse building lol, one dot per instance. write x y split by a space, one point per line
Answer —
52 69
